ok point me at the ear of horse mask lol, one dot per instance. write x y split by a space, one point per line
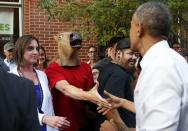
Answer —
64 47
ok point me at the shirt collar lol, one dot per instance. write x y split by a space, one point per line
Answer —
9 61
153 52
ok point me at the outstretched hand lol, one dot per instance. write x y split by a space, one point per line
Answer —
56 122
116 102
94 97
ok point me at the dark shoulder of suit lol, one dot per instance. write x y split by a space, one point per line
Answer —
3 66
18 104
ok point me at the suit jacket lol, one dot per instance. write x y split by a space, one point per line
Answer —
18 104
3 65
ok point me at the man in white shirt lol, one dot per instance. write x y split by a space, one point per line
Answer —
8 52
161 94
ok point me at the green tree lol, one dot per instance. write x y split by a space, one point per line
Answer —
103 18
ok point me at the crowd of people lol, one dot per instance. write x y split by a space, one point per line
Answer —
140 85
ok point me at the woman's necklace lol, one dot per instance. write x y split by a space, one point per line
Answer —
36 85
31 76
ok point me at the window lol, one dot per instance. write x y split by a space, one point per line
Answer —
10 0
10 22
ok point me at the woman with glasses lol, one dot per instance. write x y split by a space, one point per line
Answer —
92 54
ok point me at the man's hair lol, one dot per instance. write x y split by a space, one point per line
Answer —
155 17
123 44
112 41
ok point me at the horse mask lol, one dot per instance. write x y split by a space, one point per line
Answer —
68 45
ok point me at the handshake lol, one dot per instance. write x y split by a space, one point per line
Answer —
115 102
107 106
114 122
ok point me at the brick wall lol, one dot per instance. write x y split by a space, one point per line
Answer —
36 23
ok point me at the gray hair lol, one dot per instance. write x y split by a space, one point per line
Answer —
155 17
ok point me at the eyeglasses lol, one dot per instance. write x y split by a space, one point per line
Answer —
31 48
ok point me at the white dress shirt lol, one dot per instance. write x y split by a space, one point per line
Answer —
161 94
11 64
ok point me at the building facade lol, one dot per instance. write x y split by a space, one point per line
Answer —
20 17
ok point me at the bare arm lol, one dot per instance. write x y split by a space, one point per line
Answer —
113 114
116 102
76 93
114 123
71 91
129 105
108 126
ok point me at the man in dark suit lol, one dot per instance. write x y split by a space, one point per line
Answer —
18 104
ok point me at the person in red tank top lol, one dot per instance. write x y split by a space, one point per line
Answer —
72 80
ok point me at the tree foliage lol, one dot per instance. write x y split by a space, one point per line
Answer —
101 18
